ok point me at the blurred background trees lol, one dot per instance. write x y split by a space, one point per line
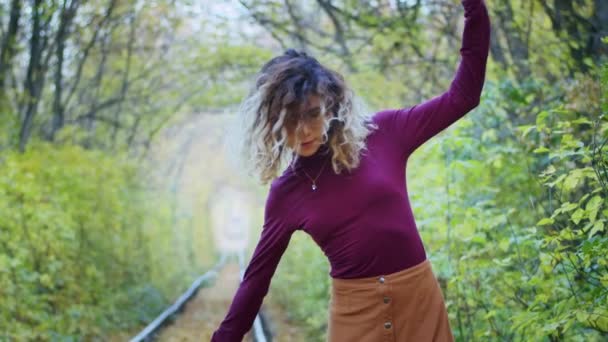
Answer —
513 211
98 65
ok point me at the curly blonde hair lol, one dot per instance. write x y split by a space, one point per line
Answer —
282 86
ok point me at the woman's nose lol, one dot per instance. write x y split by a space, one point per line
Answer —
305 129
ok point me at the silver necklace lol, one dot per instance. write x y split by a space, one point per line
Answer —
314 180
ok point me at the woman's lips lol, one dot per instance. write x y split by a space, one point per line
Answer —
307 144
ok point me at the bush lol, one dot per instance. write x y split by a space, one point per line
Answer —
76 231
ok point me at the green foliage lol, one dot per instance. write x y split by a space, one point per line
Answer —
534 267
77 232
302 285
511 203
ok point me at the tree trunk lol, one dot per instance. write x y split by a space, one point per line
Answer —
584 33
33 74
516 43
8 48
66 17
125 80
600 29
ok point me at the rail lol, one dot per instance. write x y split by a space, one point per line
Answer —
147 334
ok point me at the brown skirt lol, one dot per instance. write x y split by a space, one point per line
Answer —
403 306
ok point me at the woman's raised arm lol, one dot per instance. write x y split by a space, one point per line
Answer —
413 126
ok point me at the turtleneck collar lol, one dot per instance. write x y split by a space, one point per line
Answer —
323 153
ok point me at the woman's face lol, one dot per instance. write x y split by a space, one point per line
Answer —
307 137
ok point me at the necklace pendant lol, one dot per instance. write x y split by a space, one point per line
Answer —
314 187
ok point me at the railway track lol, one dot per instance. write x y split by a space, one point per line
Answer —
259 332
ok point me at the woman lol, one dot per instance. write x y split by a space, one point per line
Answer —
345 186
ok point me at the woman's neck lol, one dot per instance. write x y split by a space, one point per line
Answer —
322 153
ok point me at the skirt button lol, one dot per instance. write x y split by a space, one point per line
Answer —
387 325
387 300
381 280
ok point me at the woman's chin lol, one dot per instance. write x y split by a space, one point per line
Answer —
308 150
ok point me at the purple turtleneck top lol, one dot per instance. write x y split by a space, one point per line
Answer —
362 220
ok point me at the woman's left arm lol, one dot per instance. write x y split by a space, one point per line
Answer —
415 125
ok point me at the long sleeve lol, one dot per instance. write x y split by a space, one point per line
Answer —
273 242
413 126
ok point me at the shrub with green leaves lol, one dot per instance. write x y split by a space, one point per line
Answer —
82 246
